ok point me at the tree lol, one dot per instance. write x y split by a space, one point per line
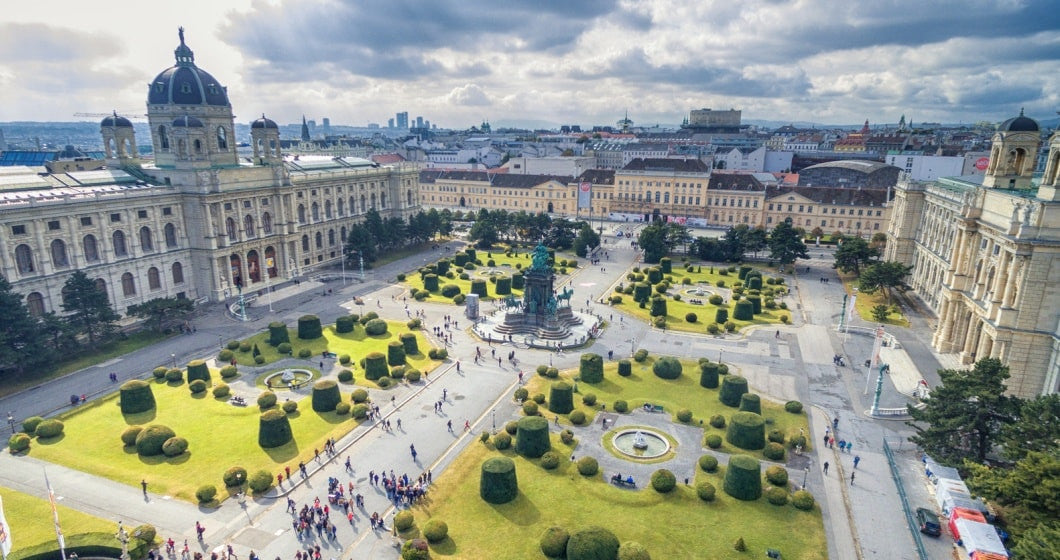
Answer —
1042 542
708 249
853 253
964 417
879 240
883 276
652 241
817 232
732 243
359 244
159 308
880 312
19 332
785 243
58 334
483 233
755 240
586 241
1028 492
87 307
1036 429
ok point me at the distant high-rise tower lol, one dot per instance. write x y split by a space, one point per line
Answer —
305 130
3 143
419 122
326 127
426 123
390 123
403 119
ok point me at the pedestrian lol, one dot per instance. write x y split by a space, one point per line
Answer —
399 423
826 439
842 445
143 484
826 467
857 459
778 334
458 366
279 479
851 478
445 393
835 423
287 469
450 426
467 425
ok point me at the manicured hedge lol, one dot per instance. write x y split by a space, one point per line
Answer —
229 371
665 265
554 542
592 543
260 482
663 481
587 466
802 500
721 315
658 307
743 311
234 477
502 441
750 402
641 291
18 442
309 327
743 479
326 395
794 407
705 491
518 281
777 475
49 428
531 436
404 520
197 386
197 370
408 342
174 446
479 287
375 327
708 375
499 484
375 366
150 440
430 282
747 430
128 436
278 333
135 396
708 463
345 324
359 396
503 286
625 368
732 388
221 390
667 367
591 368
773 451
756 303
561 398
266 400
206 493
435 530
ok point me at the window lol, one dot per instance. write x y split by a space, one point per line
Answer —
319 240
222 137
59 259
18 230
54 225
301 213
154 282
178 273
163 137
167 211
24 259
118 240
248 225
115 218
327 209
382 200
170 232
266 223
145 239
142 214
305 242
228 206
128 285
264 202
246 204
35 304
315 212
340 209
230 226
90 248
86 221
331 237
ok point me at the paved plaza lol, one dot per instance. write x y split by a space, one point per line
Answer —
863 519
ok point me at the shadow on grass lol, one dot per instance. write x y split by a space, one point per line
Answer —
160 458
51 440
520 511
140 417
446 547
283 453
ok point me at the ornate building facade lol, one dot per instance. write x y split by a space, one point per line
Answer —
985 252
197 222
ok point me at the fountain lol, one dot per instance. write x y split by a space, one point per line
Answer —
640 443
289 378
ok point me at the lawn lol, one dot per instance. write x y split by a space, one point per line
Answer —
504 264
865 302
710 279
30 519
673 525
643 386
219 436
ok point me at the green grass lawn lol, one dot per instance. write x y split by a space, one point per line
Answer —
503 265
706 278
865 302
643 386
673 525
30 519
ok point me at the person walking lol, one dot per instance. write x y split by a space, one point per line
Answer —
826 468
857 459
852 478
143 484
412 448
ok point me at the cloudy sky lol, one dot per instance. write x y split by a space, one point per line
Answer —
546 61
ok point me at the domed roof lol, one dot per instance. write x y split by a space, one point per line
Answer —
186 84
264 122
1019 124
187 122
115 121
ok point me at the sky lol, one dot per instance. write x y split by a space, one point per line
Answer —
545 62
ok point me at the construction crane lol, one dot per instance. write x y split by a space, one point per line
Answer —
131 114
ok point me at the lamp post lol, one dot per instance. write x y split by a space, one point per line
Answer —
343 263
11 421
494 419
220 342
805 475
173 359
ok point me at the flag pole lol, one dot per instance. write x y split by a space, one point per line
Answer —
5 533
55 516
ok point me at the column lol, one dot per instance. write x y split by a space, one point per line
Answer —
945 328
957 264
1002 276
1010 286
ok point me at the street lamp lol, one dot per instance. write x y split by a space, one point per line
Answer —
173 358
494 419
805 475
220 342
11 421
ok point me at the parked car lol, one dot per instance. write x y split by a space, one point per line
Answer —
928 521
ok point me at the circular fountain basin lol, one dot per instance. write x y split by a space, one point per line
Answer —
287 378
641 443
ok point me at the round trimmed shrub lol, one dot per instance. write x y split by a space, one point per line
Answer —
375 327
266 400
430 282
160 371
260 482
502 441
309 327
375 365
706 491
743 311
18 442
450 290
713 441
345 376
174 446
222 356
259 359
404 520
750 402
413 324
344 324
747 430
359 395
530 408
48 429
149 441
732 388
684 415
326 395
274 429
541 370
625 369
743 478
197 370
128 436
587 466
708 375
284 348
305 353
640 355
531 436
233 345
775 436
229 372
550 373
134 396
777 496
774 451
554 542
197 386
458 299
342 409
691 317
174 375
591 368
802 500
797 441
717 421
539 398
589 399
221 390
521 394
291 407
478 287
359 411
498 483
777 475
436 530
234 477
566 436
708 463
592 543
550 460
620 406
663 481
793 407
206 493
395 353
667 367
577 418
632 550
244 346
561 398
278 333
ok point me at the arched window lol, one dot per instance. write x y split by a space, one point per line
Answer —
372 198
198 146
145 239
316 212
320 240
118 239
128 285
170 232
364 207
331 237
182 149
266 223
163 138
305 243
90 248
353 206
230 225
382 200
24 259
301 213
222 138
154 282
178 273
59 259
248 225
35 304
341 209
327 209
408 197
270 262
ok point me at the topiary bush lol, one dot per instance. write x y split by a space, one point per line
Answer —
359 395
359 411
743 311
498 483
291 407
566 436
554 542
128 436
174 446
228 372
708 375
326 395
743 479
625 369
589 399
48 429
502 441
747 430
266 400
284 348
309 327
206 493
708 463
667 367
750 402
620 406
404 520
197 387
592 543
395 353
174 376
304 353
346 376
691 317
632 550
221 390
150 440
713 441
539 398
591 368
530 408
773 451
375 327
732 388
640 355
531 436
18 442
409 344
663 481
274 429
233 345
222 356
234 477
375 365
478 287
658 307
802 500
587 466
777 475
797 442
342 409
561 398
641 292
503 286
775 436
430 282
550 460
344 324
705 491
717 421
684 415
197 370
278 333
794 407
134 396
577 418
435 530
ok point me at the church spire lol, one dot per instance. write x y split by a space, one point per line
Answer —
305 130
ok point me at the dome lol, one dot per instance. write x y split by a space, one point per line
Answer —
264 123
1019 124
186 84
187 122
115 121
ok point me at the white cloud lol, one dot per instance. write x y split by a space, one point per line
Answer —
470 95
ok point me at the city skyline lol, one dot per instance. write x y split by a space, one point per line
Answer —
459 64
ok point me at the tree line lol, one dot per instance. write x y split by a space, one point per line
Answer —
497 226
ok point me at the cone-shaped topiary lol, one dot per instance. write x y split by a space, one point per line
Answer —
460 259
654 275
747 430
344 324
641 291
743 311
442 266
592 543
658 307
756 304
732 388
708 375
531 437
197 370
518 281
136 396
750 402
395 353
430 282
479 287
743 478
503 286
408 341
591 368
561 398
625 368
498 484
375 366
278 333
721 316
667 367
149 441
326 395
666 265
274 429
309 327
754 283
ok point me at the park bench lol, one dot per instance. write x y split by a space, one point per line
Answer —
237 401
331 355
648 407
623 482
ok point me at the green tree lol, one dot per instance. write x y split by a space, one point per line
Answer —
964 417
652 241
1028 492
879 240
586 241
1041 542
359 243
853 253
755 240
562 233
19 332
159 308
785 243
483 233
87 307
880 312
733 243
1036 429
884 276
58 334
